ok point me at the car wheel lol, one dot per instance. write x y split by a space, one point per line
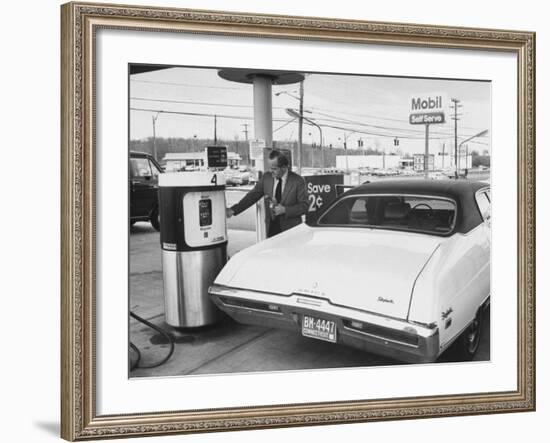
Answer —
468 342
155 219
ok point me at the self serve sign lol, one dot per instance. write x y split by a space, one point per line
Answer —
427 109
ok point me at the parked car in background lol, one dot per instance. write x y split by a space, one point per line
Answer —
395 267
143 174
438 175
236 177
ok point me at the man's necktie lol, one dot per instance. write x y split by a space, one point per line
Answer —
278 191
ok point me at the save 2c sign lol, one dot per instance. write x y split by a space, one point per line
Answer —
321 190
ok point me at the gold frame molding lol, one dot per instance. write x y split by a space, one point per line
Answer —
80 21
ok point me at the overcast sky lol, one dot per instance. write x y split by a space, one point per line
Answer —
375 109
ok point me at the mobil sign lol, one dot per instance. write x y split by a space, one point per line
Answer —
427 109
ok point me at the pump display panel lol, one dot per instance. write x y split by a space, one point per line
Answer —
205 212
204 218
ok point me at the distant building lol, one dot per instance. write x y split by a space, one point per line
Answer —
436 162
368 161
441 162
406 163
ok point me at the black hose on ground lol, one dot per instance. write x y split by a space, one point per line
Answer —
136 363
160 331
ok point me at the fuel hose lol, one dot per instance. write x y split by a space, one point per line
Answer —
161 331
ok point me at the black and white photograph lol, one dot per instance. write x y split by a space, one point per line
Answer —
277 217
302 221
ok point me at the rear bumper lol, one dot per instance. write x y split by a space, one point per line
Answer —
397 339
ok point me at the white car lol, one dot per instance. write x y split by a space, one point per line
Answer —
438 175
395 267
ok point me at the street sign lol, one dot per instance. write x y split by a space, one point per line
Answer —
257 150
321 190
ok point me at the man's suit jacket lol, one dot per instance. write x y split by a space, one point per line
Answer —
294 199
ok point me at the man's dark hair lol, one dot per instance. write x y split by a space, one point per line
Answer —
282 160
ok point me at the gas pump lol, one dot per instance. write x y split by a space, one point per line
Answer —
193 238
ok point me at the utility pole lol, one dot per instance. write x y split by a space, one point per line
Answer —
455 118
427 152
245 130
215 130
300 117
293 113
155 135
300 127
346 135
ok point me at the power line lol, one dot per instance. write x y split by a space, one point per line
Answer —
183 84
235 117
190 102
200 114
376 117
391 134
333 118
362 131
195 114
286 124
357 115
369 116
187 102
340 120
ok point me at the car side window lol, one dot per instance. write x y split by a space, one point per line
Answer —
155 171
358 213
484 205
141 167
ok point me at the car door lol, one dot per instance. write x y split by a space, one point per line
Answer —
467 281
470 273
143 187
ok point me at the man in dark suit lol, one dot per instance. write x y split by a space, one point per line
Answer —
285 192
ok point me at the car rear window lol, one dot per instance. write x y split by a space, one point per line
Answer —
399 212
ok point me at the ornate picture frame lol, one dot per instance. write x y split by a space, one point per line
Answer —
80 23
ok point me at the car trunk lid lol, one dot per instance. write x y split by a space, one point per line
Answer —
372 270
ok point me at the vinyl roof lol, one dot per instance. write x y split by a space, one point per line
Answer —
448 188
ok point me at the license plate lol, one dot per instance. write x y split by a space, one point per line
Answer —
319 328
